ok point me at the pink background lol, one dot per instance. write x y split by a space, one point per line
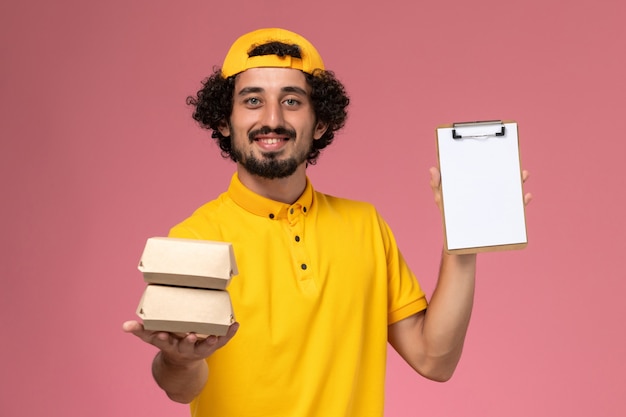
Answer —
99 152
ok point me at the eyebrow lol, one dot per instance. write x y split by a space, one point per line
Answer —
288 89
295 89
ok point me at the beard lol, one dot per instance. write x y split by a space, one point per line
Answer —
268 165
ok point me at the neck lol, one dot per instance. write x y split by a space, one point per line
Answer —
286 190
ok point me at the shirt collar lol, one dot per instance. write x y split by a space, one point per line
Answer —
265 207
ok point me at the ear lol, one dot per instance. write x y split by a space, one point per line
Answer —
224 128
320 129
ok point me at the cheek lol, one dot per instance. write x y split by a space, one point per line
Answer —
301 125
243 122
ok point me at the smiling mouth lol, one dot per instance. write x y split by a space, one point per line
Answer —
270 136
271 141
271 145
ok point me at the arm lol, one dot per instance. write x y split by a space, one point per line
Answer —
179 367
432 341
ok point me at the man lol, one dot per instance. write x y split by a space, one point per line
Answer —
322 286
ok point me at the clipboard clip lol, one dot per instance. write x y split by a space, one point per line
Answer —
480 129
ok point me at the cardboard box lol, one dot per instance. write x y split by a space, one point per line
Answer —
188 263
186 310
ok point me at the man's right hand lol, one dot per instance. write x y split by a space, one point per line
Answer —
179 368
180 350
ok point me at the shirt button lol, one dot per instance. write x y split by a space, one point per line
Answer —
304 209
297 238
271 215
291 211
303 266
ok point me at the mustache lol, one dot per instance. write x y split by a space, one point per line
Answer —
291 134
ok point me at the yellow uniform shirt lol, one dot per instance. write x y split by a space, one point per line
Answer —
319 282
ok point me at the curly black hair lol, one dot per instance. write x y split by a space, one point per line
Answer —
214 101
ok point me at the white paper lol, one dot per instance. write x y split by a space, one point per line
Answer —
482 189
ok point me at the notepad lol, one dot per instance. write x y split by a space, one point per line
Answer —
481 182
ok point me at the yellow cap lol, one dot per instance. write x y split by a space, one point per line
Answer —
237 59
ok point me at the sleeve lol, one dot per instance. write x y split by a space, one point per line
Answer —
182 231
404 294
199 225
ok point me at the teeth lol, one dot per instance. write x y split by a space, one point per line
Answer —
270 141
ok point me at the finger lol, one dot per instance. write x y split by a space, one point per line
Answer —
435 185
435 178
527 198
131 326
162 340
212 343
186 345
137 329
232 330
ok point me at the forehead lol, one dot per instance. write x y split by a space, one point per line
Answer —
271 79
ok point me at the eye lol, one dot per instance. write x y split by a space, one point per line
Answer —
291 102
253 101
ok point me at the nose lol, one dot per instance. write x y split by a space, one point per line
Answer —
273 115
